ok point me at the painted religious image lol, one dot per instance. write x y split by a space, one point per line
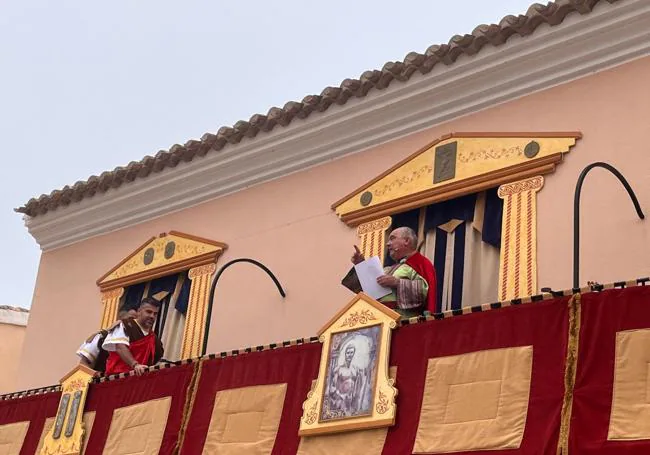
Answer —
351 373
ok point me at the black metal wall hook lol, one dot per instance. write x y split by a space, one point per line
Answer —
214 287
576 212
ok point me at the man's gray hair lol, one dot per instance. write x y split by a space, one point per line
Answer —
410 235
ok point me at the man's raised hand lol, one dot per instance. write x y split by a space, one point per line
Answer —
357 257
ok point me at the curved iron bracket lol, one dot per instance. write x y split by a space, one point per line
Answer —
576 212
214 287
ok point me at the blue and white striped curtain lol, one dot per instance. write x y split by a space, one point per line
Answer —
462 239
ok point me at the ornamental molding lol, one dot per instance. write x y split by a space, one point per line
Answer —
617 33
532 184
166 254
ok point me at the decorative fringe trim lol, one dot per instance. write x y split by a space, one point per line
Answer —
569 374
30 392
525 300
189 405
232 353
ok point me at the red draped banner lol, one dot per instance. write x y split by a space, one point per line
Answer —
544 326
613 354
603 316
106 397
35 409
296 366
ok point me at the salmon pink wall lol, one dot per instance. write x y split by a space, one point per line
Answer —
11 346
288 225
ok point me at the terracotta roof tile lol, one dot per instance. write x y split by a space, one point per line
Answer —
552 13
14 308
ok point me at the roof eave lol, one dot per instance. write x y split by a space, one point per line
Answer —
616 32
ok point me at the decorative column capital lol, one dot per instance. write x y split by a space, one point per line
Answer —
376 225
113 294
532 184
207 269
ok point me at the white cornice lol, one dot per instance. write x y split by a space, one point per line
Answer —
610 35
13 316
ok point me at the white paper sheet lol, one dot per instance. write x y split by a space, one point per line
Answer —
368 271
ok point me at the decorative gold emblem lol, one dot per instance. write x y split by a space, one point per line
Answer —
490 154
358 317
403 180
312 415
382 403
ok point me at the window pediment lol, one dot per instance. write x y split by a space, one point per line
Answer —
163 255
452 166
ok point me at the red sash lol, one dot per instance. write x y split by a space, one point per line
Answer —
425 269
143 352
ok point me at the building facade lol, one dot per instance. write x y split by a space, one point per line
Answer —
510 114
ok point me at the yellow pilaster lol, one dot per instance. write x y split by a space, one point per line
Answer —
197 309
518 264
110 302
372 237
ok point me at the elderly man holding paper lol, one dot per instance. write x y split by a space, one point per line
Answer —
408 287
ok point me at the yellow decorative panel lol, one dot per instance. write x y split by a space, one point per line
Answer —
160 256
368 442
12 436
372 441
630 415
245 420
475 401
88 421
518 254
372 237
110 303
197 310
138 429
66 436
458 160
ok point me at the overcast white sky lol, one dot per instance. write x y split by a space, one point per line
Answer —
87 86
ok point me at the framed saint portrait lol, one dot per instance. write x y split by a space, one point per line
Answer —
354 389
351 375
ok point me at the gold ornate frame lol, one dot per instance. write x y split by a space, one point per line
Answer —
362 312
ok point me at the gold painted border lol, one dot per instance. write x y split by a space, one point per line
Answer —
456 189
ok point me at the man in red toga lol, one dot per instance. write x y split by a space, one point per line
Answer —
412 279
133 345
91 353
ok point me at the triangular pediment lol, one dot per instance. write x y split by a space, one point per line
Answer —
163 255
452 166
361 310
79 370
